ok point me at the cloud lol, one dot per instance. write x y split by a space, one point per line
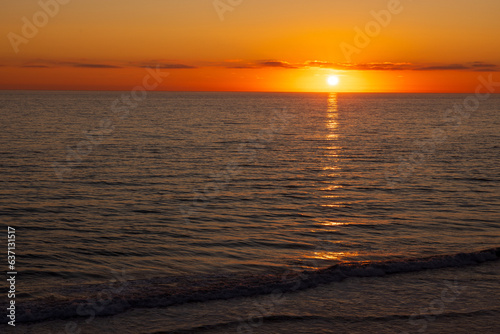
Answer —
160 63
42 63
477 66
84 65
392 66
35 66
375 66
276 63
240 64
443 67
480 66
386 66
320 63
233 63
170 66
243 66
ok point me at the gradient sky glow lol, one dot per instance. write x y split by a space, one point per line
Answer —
260 45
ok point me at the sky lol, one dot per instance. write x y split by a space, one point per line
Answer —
250 45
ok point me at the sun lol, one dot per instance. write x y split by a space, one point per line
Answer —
333 80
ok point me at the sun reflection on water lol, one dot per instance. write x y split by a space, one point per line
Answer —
333 224
333 150
337 256
328 251
332 114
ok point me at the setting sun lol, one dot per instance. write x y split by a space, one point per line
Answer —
333 80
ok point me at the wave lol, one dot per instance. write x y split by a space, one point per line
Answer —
333 320
104 300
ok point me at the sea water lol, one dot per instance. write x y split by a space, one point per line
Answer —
252 212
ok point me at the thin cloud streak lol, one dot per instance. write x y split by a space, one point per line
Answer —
388 66
41 63
384 66
96 66
476 66
169 66
273 63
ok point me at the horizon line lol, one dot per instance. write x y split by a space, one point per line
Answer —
232 91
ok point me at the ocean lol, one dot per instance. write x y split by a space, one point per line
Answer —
185 212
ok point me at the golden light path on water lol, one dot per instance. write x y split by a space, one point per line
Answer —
325 251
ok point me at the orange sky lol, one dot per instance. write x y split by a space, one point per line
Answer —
250 45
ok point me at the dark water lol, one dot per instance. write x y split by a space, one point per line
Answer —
202 196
